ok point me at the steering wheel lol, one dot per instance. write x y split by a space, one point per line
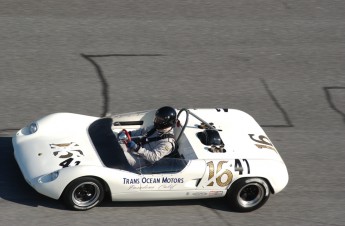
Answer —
124 136
129 139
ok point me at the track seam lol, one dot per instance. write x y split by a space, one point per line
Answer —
280 108
100 74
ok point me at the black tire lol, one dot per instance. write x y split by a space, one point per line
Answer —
83 193
248 194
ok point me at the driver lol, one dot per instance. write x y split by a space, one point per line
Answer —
155 142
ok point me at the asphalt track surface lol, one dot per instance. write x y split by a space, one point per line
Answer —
283 62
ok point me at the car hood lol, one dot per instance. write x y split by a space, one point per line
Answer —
61 141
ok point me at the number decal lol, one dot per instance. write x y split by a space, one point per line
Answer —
211 174
224 109
66 163
239 168
67 151
220 174
261 139
226 173
245 160
262 142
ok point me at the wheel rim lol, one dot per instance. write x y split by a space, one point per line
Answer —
86 194
250 195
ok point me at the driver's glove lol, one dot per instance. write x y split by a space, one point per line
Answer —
132 146
122 136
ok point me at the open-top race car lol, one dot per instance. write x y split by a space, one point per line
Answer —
218 153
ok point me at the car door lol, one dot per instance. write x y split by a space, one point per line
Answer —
171 178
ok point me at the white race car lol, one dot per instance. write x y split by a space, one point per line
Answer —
219 153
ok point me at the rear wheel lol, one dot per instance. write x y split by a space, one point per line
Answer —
248 194
83 193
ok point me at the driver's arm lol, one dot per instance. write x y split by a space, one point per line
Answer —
162 149
138 132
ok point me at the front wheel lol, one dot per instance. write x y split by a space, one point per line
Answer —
248 194
83 193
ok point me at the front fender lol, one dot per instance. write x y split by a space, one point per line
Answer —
55 188
274 171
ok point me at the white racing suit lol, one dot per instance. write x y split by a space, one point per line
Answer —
152 151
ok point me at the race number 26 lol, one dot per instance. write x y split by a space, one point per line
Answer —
222 176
